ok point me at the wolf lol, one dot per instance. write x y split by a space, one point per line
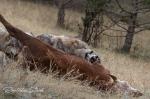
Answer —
12 47
71 45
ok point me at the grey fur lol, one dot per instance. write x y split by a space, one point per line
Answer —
70 45
12 47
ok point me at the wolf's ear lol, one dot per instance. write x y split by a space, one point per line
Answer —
8 37
1 18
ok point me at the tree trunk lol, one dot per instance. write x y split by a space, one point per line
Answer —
87 21
130 34
61 16
91 27
98 30
128 40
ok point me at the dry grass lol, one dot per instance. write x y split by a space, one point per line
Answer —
41 19
28 16
60 88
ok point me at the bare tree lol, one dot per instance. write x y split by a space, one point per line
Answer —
133 18
93 21
62 5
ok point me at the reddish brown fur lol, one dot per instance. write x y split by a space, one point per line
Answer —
43 53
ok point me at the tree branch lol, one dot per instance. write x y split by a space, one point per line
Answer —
113 35
67 2
147 23
140 2
119 5
143 8
118 24
110 27
118 30
143 29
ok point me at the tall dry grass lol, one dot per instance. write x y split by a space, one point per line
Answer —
39 19
34 17
54 87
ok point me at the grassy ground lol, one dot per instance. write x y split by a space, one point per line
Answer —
42 19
